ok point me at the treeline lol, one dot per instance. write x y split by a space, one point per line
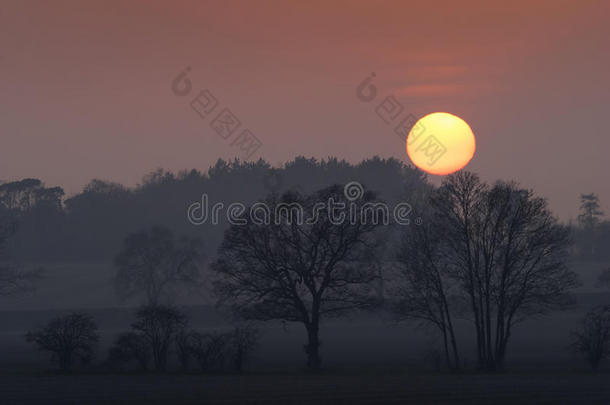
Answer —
91 225
493 254
159 339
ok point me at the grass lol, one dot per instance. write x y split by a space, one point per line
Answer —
368 360
299 388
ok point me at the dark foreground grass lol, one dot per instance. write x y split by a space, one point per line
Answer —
335 388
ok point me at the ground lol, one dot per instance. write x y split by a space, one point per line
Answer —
335 388
369 359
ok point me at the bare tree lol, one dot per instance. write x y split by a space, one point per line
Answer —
243 341
300 270
151 262
159 325
184 343
130 347
13 277
423 289
593 338
209 349
68 338
503 249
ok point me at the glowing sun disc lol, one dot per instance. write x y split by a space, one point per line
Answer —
440 143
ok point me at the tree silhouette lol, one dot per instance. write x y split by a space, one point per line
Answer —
62 230
130 347
109 208
298 270
68 338
158 326
423 288
503 249
184 346
17 201
13 278
24 195
590 219
590 213
593 338
209 349
152 262
243 341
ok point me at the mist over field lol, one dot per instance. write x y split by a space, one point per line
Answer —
284 202
80 271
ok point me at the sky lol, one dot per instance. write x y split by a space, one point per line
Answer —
86 87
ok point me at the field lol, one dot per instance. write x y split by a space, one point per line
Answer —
307 389
366 359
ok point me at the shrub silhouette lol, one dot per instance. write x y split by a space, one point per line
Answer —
243 340
210 349
130 347
158 326
593 338
69 337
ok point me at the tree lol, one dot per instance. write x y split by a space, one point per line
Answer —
504 251
110 209
511 255
590 213
130 347
151 262
184 343
24 195
300 271
209 349
423 288
243 341
38 212
69 337
593 338
589 219
158 326
13 278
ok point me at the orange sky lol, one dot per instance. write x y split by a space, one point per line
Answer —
85 86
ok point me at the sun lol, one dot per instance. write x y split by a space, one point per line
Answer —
440 143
